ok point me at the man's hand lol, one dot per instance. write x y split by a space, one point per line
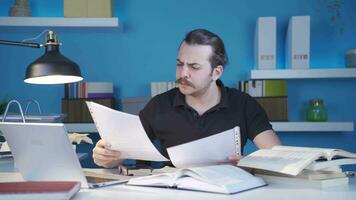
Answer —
104 156
234 159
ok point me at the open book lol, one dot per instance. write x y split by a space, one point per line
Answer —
225 179
292 160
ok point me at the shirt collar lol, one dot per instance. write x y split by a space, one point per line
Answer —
179 99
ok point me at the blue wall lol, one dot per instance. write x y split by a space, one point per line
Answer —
144 49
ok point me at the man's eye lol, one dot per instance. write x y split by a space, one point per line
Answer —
195 67
179 64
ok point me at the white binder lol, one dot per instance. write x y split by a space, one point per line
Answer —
298 43
265 43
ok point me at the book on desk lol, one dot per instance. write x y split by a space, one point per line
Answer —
226 179
307 166
39 190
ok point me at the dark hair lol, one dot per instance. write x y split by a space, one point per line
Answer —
205 37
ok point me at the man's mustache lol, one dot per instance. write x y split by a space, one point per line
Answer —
184 81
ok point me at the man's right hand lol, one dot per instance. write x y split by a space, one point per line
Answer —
104 156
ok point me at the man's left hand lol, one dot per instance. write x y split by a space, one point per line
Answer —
234 159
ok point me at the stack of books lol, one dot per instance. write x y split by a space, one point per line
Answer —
270 94
304 166
93 90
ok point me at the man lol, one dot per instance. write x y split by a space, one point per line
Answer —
201 106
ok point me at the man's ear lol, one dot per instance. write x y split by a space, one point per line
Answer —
217 72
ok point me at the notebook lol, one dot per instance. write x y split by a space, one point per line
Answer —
43 152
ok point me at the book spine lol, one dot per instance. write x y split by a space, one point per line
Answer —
66 91
83 89
100 95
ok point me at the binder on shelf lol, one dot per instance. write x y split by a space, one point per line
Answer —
255 88
265 43
298 43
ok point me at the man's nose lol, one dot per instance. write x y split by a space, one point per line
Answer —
184 71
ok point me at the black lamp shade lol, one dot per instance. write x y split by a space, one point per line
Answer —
52 68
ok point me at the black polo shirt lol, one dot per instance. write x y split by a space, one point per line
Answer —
172 121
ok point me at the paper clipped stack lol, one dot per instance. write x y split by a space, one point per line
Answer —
300 166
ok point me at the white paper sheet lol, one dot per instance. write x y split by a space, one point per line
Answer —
210 150
125 133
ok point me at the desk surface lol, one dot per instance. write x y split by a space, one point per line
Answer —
270 192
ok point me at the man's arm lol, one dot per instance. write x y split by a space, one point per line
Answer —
266 140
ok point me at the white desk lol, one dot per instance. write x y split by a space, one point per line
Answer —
270 192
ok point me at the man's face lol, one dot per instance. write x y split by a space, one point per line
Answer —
193 70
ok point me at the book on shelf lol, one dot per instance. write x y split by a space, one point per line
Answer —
264 88
94 90
292 160
39 190
224 179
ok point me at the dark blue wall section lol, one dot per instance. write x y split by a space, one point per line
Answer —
144 49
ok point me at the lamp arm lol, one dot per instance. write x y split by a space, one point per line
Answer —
23 44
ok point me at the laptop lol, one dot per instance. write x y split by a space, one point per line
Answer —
43 152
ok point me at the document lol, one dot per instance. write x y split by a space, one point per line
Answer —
210 150
125 133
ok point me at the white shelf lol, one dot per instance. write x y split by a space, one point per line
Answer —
59 22
313 126
277 126
303 73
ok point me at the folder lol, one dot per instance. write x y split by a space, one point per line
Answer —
298 43
265 43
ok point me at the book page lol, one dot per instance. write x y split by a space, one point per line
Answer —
321 165
283 161
210 150
328 153
218 178
218 174
159 180
125 133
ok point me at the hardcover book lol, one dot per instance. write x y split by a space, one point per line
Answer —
224 179
39 190
292 160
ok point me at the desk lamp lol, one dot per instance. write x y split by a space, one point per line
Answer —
52 67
